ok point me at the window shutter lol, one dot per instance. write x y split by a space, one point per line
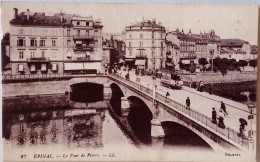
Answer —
17 68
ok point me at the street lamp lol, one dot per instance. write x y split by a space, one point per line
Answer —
251 117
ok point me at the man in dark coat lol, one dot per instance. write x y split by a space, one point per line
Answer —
214 116
188 103
223 107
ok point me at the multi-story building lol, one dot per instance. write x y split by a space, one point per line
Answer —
194 46
54 43
145 45
172 55
235 49
254 51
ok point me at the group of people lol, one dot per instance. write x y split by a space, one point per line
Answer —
220 115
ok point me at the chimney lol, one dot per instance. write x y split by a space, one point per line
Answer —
15 13
28 14
61 16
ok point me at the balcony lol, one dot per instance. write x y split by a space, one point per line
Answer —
83 48
81 37
80 59
38 59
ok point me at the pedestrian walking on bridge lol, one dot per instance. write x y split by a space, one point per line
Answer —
188 103
221 119
223 108
214 116
167 96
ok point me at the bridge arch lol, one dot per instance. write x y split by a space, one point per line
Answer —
179 135
139 119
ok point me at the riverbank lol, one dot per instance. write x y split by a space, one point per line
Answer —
230 77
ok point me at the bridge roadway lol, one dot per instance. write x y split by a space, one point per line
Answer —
203 102
200 102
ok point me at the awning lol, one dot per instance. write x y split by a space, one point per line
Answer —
69 55
43 67
185 61
33 68
129 59
73 66
140 62
169 56
168 64
20 67
54 67
140 67
121 61
92 65
78 42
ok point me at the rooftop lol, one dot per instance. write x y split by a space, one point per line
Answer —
232 42
146 23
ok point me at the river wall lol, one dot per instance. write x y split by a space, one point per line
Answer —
231 76
34 88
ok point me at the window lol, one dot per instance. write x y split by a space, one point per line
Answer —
129 44
20 54
78 23
130 36
161 44
53 54
43 54
53 43
161 36
130 52
141 44
68 32
141 36
33 42
78 32
32 54
87 23
68 43
20 42
87 33
42 43
20 31
161 52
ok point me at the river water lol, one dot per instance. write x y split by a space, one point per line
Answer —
52 122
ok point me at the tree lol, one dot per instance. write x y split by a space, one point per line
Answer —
216 62
203 62
232 62
253 63
242 63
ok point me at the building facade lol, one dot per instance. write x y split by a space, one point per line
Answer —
172 56
145 46
54 43
235 49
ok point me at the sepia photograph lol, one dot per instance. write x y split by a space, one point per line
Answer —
128 82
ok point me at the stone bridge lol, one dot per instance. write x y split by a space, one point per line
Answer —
163 110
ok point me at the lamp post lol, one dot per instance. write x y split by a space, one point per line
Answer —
250 133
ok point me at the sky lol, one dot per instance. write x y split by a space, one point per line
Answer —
228 21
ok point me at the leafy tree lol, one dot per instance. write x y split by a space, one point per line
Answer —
223 69
242 63
216 62
203 61
232 62
253 63
224 61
